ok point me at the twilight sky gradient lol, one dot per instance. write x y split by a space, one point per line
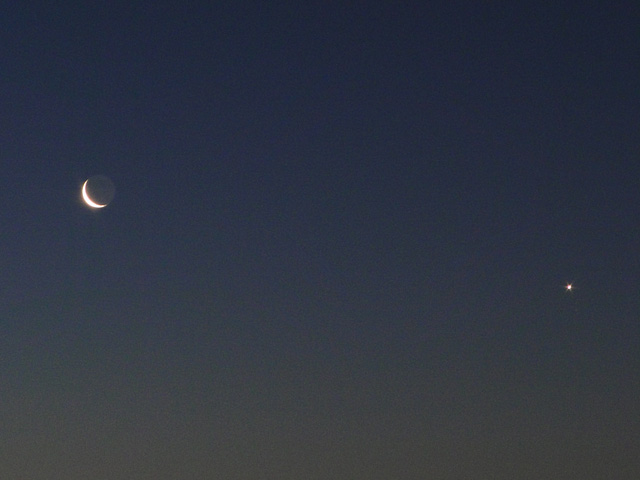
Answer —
338 244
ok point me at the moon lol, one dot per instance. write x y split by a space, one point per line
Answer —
87 199
97 191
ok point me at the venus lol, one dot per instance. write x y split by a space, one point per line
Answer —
97 191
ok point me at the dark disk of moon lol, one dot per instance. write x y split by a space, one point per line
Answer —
98 191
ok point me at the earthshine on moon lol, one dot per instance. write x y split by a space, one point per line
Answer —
97 191
87 199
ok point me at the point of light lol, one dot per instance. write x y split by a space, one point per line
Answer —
569 287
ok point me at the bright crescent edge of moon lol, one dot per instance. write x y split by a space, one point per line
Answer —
87 199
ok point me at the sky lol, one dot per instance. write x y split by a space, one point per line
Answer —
338 246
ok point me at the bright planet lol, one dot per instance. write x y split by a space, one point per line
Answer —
98 191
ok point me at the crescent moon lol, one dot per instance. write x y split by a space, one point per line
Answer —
87 199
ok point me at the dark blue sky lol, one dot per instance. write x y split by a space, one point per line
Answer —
338 244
